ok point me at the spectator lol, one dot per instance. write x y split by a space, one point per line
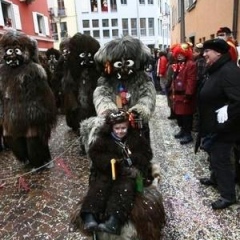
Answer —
169 78
226 34
162 70
201 66
184 91
219 112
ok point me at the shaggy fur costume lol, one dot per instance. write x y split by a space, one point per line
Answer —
121 62
80 80
29 112
146 221
59 74
53 56
115 197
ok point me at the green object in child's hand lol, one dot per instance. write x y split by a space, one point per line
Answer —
139 183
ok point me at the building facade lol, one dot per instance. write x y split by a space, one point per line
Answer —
107 19
63 19
201 19
28 16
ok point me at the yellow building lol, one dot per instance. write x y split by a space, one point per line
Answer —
63 19
202 19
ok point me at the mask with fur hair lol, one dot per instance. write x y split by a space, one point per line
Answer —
17 49
122 57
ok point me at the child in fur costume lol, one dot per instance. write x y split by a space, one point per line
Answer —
80 80
29 112
108 200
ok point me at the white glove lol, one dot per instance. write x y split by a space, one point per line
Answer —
222 114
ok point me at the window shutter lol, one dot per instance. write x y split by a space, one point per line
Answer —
46 23
1 16
17 18
35 22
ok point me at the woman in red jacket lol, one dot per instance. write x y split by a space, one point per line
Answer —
162 65
184 91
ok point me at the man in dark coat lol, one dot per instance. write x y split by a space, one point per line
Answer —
219 112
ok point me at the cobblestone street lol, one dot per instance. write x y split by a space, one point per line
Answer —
38 205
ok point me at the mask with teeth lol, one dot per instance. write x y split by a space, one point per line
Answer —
86 59
13 56
123 69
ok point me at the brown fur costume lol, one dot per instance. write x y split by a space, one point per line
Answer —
29 111
80 80
146 221
53 56
59 74
118 198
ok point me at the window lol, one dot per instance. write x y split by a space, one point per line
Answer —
106 33
54 31
61 8
151 26
96 33
94 5
142 1
114 22
87 33
10 16
150 1
105 23
95 23
64 31
104 5
113 5
40 24
124 2
115 32
85 23
133 26
143 31
125 26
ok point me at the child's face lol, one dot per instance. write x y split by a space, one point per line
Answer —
120 129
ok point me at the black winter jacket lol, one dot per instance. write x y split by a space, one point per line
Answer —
220 87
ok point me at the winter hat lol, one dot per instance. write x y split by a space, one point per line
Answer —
224 30
199 45
218 45
182 48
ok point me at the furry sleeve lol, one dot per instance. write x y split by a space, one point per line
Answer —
146 102
103 99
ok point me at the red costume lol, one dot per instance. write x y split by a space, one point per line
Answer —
184 83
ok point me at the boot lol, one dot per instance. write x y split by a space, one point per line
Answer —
38 152
90 224
18 147
180 134
112 226
187 138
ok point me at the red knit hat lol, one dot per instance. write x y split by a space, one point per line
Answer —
182 48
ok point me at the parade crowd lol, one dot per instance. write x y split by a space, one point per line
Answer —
108 95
